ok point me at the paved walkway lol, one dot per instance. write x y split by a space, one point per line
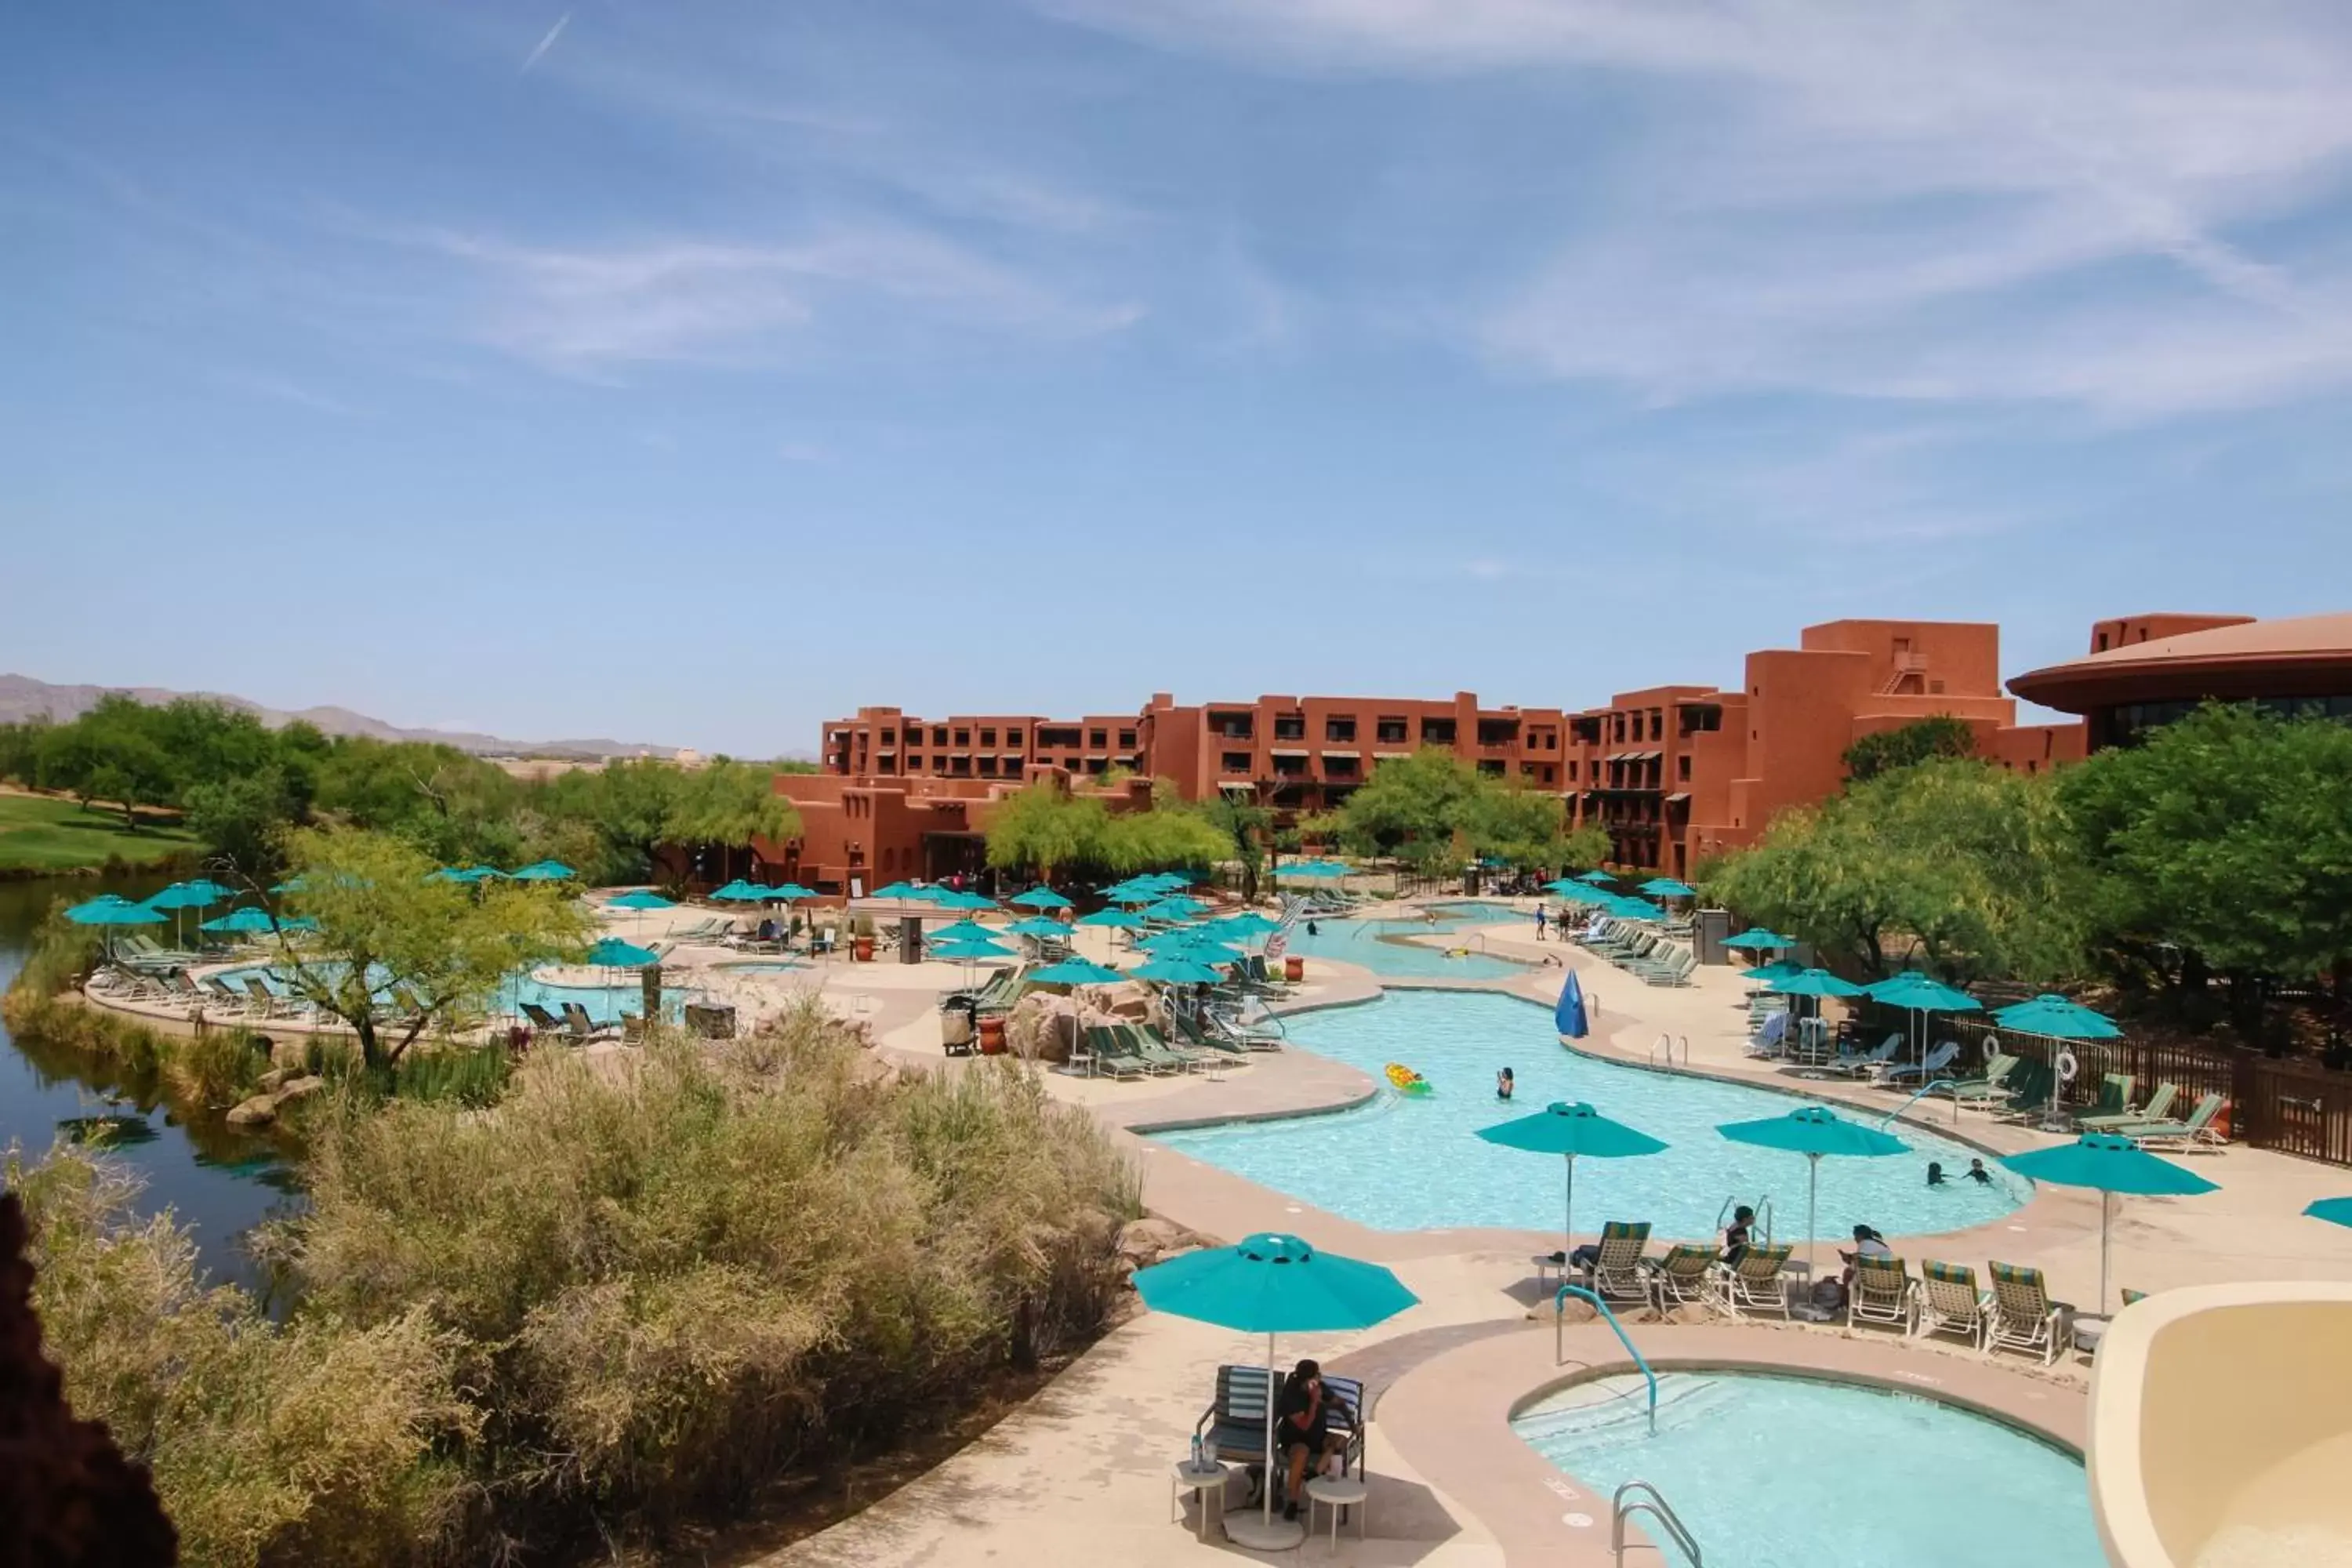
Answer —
1082 1472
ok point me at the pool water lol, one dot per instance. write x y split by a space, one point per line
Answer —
1361 942
1784 1472
1413 1165
759 966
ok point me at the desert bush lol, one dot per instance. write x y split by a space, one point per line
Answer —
217 1067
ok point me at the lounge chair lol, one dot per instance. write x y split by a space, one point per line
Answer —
1115 1055
1771 1038
1680 1277
1616 1275
579 1026
2114 1098
2022 1315
1869 1062
1977 1091
1942 1057
1882 1293
2030 1086
2181 1137
1154 1051
2157 1110
1234 1427
260 1002
1757 1283
1951 1302
545 1021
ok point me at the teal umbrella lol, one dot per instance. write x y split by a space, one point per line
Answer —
2335 1211
199 894
299 923
292 885
963 931
791 893
2108 1163
1597 878
545 871
95 911
612 952
1075 970
1137 896
2057 1018
640 899
249 920
1040 929
1176 909
1272 1285
1116 919
1814 1131
1667 887
1195 949
1560 1128
1923 994
739 892
1040 898
1243 927
1780 969
469 874
970 947
1178 971
1815 982
897 890
1634 910
1756 939
955 900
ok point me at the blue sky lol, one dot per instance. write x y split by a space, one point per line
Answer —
691 373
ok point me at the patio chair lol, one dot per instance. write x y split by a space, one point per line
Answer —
260 1002
545 1021
1232 1428
1950 1301
1942 1057
1978 1090
579 1026
1679 1278
1757 1283
2181 1137
1870 1061
2031 1085
1616 1273
1772 1036
2157 1110
2022 1315
2115 1099
1882 1293
1115 1055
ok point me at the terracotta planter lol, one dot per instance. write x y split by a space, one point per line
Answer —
992 1037
861 949
1293 970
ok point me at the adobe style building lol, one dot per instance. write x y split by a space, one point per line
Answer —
1675 773
2144 672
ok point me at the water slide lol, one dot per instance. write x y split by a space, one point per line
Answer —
2222 1428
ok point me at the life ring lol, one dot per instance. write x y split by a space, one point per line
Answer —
1404 1080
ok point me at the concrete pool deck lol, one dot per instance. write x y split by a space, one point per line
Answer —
1082 1473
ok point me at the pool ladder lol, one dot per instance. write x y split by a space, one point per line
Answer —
1648 1499
1763 1206
1558 1322
1924 1093
1665 1046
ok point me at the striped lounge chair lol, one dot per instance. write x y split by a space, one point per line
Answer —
1757 1283
1950 1302
1882 1293
2023 1317
1679 1278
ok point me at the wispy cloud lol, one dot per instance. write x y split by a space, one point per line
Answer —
545 44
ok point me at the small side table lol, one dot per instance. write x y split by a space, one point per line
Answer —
1208 1480
1337 1492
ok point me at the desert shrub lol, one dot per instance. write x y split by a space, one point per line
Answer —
217 1067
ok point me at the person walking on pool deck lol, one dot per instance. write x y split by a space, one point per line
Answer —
1540 922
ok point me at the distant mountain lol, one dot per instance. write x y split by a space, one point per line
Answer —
22 698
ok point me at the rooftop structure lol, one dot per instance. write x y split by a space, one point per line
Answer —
2147 671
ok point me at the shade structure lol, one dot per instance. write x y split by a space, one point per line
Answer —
1668 887
1272 1284
1815 982
1115 920
967 949
739 892
2335 1211
1040 929
2108 1164
1571 1129
1579 893
1175 909
1597 878
1178 971
1076 971
1780 969
1243 927
1040 898
896 890
1130 894
469 874
640 899
1634 910
1922 993
791 893
1756 939
2057 1018
949 899
107 909
962 931
198 894
1568 1015
1196 948
612 952
545 871
250 921
1816 1132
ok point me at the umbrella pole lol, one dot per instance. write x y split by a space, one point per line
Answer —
1568 1220
2107 1212
1812 1199
1273 1406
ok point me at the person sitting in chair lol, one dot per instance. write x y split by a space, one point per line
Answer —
1305 1430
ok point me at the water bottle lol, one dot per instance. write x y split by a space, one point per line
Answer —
1196 1451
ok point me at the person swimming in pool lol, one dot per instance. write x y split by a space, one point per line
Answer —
1936 1173
1504 1084
1978 1174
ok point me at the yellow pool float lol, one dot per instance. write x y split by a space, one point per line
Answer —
1407 1081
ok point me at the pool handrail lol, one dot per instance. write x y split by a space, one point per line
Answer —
1654 1503
1940 1083
1559 1321
1762 1205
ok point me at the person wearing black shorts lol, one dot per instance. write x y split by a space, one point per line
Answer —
1304 1429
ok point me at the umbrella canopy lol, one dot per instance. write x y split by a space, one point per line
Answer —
640 899
739 892
1194 948
1634 910
791 893
1597 878
1117 920
1756 939
1175 909
195 895
2108 1164
1178 971
1780 969
1568 1015
2059 1019
1270 1285
1815 982
111 911
1560 1128
250 921
1039 927
1076 972
951 899
1243 926
964 950
545 871
2335 1211
1916 992
464 874
1815 1132
1667 887
1040 898
297 922
962 931
612 952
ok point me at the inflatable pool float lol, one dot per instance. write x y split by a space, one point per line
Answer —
1407 1081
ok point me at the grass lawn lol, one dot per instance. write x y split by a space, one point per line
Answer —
42 833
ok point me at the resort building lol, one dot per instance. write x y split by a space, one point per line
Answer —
2147 671
887 742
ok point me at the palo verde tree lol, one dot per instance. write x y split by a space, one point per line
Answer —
1908 745
1043 827
397 951
2228 836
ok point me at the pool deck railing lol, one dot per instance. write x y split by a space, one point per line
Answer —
1558 1322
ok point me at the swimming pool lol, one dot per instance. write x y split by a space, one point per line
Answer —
1785 1472
759 966
1413 1165
1361 942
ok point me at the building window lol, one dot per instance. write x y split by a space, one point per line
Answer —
963 737
1097 739
1013 739
987 766
1341 768
1571 771
1289 767
1342 730
1617 726
1127 740
1497 732
1235 762
1097 764
915 763
1390 732
890 737
1491 767
988 737
1437 732
1526 770
1290 727
1231 726
1682 769
1547 774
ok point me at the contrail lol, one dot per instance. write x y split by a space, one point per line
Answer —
546 43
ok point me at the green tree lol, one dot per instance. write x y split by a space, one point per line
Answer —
241 819
1044 827
2228 834
1907 746
398 953
1246 828
1412 809
1158 839
729 802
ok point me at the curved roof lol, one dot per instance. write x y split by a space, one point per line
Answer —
2234 660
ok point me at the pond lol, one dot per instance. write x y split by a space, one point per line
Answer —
218 1183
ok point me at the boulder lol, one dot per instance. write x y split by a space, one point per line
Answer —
258 1112
272 1081
1150 1240
296 1089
